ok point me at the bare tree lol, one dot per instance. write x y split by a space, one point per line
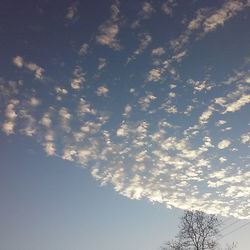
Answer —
197 231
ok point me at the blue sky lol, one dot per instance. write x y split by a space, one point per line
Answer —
149 100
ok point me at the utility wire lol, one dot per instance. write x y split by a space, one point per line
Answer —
235 230
226 227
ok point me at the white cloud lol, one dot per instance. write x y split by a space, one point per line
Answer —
46 120
179 56
127 110
34 102
72 12
78 79
172 109
168 6
207 21
115 11
8 127
238 104
245 138
223 144
102 91
203 119
145 101
220 123
39 72
108 35
11 115
30 127
18 61
158 51
102 63
145 40
200 85
65 118
147 10
222 159
227 11
83 49
85 108
122 131
49 148
61 90
154 75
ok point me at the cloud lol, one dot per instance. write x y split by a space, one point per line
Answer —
65 118
102 63
207 21
203 119
245 138
102 91
176 142
50 148
146 10
83 51
10 115
238 104
18 61
30 126
145 101
108 35
115 11
78 78
72 12
36 69
220 123
122 131
127 110
84 108
34 102
145 40
8 127
222 159
154 75
168 6
223 144
158 51
200 85
227 11
46 120
108 31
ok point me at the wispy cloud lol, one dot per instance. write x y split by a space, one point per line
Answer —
72 12
108 31
19 62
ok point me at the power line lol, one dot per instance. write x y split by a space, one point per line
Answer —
226 227
237 229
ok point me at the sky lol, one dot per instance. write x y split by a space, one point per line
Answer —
116 116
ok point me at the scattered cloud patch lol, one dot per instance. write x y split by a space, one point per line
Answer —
168 6
78 78
72 12
154 75
158 51
83 51
102 63
18 61
108 35
223 144
102 91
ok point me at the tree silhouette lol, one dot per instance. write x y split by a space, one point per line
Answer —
197 231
